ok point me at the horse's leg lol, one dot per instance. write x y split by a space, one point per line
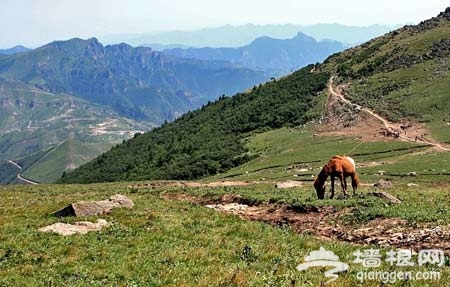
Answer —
343 183
332 186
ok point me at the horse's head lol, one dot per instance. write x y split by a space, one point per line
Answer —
320 189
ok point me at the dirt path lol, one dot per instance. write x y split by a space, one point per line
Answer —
29 181
326 222
19 176
392 128
15 164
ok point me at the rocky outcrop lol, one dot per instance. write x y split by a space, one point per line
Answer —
440 48
86 208
445 15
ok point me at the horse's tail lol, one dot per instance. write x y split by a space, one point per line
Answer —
355 182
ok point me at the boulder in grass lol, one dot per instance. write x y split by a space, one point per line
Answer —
82 227
385 195
87 208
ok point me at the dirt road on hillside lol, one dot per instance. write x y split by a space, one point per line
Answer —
392 128
19 176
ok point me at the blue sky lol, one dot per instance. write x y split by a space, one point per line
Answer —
36 22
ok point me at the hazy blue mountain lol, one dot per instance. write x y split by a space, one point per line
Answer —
238 36
138 83
347 34
274 56
162 47
14 50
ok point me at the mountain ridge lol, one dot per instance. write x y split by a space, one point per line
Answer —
237 36
113 75
276 57
14 50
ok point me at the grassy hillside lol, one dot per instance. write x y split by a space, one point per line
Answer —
403 74
298 154
63 158
400 75
8 172
32 120
208 140
166 241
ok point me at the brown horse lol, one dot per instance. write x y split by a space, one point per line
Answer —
338 166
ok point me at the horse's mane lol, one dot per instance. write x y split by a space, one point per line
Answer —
323 173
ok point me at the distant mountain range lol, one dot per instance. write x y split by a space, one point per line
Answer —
274 56
138 83
14 50
238 36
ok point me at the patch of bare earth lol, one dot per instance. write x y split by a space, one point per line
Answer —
343 117
165 184
325 222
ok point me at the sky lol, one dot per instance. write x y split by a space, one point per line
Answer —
36 22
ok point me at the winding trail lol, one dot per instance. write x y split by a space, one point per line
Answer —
15 164
19 176
26 180
387 124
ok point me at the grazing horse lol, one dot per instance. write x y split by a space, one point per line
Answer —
338 166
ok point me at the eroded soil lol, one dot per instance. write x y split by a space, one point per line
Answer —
325 222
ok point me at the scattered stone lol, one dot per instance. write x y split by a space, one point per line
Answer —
386 195
288 184
303 170
412 184
86 208
412 173
82 227
381 172
381 183
234 208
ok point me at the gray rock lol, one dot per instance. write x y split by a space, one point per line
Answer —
86 208
386 195
82 227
